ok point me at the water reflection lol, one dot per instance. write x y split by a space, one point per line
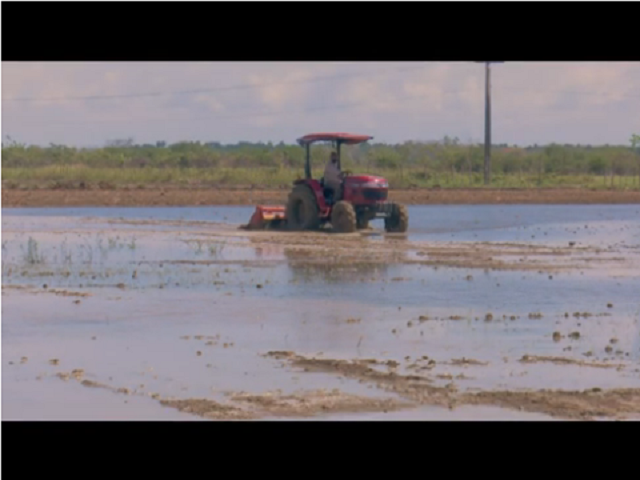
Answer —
312 267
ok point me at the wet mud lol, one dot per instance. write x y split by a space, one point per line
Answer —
568 361
254 406
584 405
359 250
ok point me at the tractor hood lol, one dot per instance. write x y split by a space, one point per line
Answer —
369 181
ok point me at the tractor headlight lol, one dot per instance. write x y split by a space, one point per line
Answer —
374 185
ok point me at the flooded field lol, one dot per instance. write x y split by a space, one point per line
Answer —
479 312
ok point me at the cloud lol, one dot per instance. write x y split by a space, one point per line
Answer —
280 90
211 102
531 102
428 88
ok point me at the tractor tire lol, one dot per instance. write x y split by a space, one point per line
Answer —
302 209
398 222
343 217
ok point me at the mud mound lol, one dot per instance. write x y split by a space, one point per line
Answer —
586 404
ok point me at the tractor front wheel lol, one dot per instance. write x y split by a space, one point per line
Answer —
302 209
398 221
343 217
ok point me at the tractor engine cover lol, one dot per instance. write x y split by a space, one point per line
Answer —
365 189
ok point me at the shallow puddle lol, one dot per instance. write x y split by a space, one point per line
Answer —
117 296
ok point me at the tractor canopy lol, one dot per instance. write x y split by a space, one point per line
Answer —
346 138
338 138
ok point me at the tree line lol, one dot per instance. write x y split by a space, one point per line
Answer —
422 159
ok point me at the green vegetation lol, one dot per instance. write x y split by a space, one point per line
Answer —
447 164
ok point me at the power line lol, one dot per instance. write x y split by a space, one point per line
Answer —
247 86
251 114
315 79
251 86
574 92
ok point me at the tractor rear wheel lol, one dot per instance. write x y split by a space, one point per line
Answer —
398 221
343 217
302 209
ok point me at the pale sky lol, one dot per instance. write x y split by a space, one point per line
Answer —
532 102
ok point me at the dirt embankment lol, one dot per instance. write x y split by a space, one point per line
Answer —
172 196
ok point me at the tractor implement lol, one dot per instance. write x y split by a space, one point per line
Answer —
267 217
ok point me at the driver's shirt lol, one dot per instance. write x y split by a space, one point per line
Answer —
332 176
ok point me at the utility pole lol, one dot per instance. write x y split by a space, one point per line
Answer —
487 121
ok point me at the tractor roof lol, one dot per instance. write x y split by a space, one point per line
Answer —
348 138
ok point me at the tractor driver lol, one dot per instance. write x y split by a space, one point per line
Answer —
333 177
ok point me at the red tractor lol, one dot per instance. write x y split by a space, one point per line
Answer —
311 205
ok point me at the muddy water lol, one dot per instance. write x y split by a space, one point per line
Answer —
154 304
